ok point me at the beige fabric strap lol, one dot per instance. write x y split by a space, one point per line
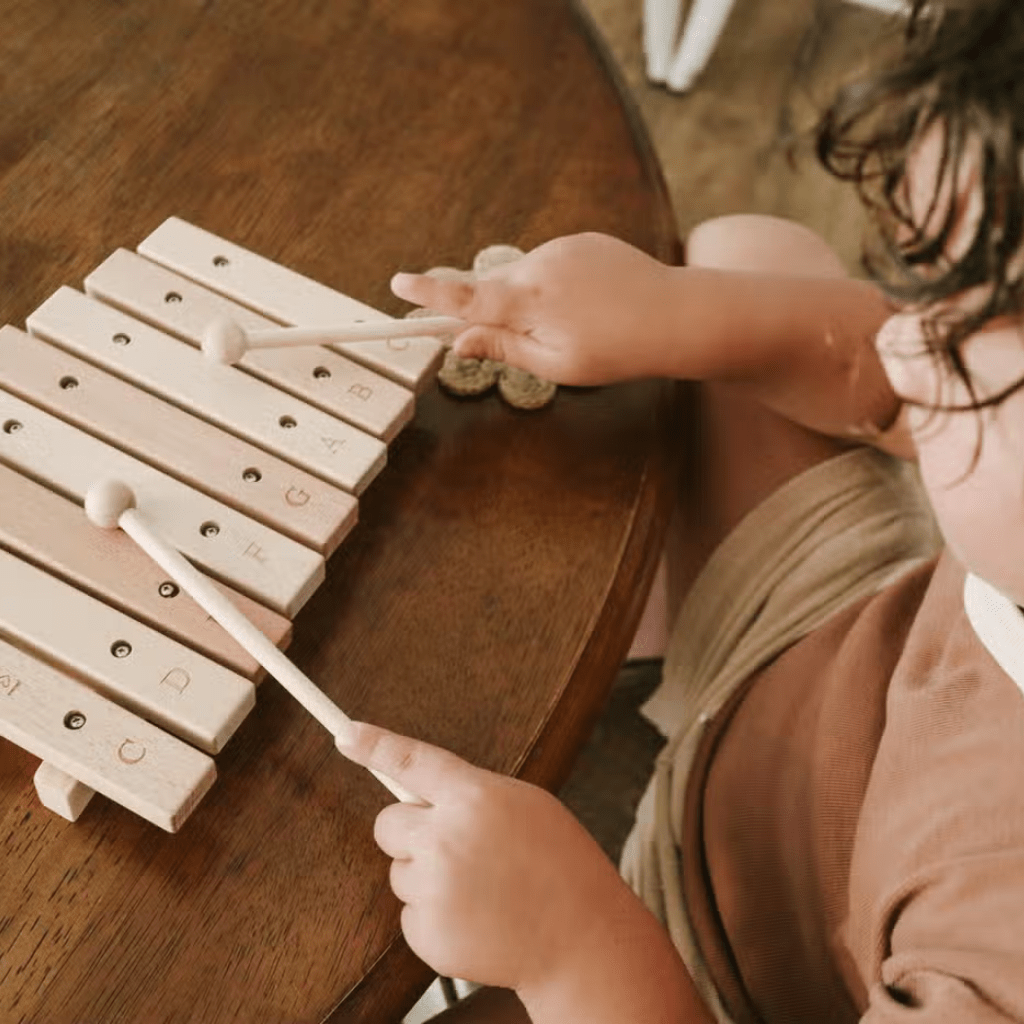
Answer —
838 532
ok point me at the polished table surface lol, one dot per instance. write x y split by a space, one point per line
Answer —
487 595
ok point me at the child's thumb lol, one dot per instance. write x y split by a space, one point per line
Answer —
484 341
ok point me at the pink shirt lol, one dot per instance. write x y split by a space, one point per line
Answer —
854 844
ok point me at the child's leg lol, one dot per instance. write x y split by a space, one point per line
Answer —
741 451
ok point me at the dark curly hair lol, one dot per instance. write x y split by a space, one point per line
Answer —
961 70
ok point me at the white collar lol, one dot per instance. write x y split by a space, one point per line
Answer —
999 624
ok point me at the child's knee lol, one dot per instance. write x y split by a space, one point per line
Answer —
757 242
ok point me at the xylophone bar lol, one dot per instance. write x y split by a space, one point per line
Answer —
91 739
297 432
244 554
264 487
319 376
49 531
288 297
147 672
249 471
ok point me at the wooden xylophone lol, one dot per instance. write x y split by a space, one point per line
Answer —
109 673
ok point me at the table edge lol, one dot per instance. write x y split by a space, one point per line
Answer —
639 553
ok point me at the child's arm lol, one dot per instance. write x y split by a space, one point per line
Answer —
588 309
502 886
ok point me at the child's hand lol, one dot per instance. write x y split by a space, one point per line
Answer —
499 881
584 309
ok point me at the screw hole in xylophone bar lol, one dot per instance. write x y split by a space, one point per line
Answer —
252 475
322 373
172 297
210 529
168 589
220 261
121 339
68 383
74 720
12 426
120 649
287 422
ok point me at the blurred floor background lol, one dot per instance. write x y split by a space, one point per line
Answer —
726 145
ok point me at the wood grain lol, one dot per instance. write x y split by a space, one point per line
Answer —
488 593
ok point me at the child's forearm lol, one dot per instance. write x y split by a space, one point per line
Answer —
628 971
804 346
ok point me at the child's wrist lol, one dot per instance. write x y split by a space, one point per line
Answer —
663 331
569 976
606 966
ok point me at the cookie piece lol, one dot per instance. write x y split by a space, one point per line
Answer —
459 376
464 377
523 390
495 256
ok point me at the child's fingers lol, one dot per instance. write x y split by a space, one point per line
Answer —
395 829
427 771
505 346
425 291
402 878
489 301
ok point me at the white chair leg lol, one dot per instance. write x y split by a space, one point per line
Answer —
661 23
888 6
703 27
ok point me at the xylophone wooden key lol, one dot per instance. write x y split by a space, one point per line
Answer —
48 530
245 554
323 378
226 396
91 739
268 489
251 473
289 298
147 672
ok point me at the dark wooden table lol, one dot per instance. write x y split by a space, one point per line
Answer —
489 593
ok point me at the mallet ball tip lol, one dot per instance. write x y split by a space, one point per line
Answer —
224 341
107 501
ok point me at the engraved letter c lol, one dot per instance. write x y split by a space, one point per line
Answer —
131 752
